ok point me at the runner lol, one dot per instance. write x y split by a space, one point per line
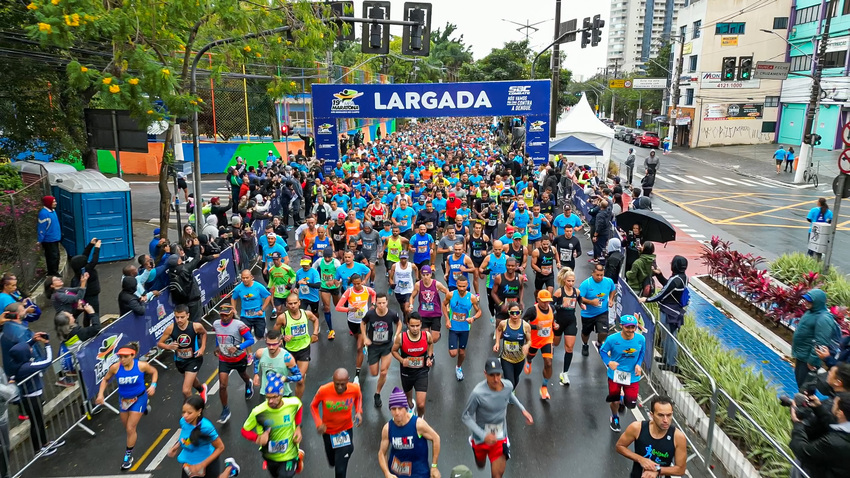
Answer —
512 343
306 235
565 303
394 244
329 289
275 425
403 217
507 287
377 330
404 443
292 324
479 246
355 302
232 339
370 241
520 219
518 251
597 293
254 299
332 408
567 220
422 246
188 341
321 242
132 393
308 282
568 247
414 350
458 307
536 227
352 225
543 262
431 218
281 280
402 277
541 317
275 359
199 445
496 264
623 354
458 265
485 416
658 443
428 291
490 213
349 268
376 212
446 246
338 234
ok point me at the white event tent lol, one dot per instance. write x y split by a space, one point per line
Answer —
581 122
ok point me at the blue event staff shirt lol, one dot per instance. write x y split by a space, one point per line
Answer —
250 298
590 289
269 250
561 222
627 354
815 216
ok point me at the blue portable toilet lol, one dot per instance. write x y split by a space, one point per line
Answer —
92 205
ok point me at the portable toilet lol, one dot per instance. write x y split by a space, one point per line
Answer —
92 205
32 171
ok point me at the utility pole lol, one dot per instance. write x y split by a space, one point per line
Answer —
807 149
556 73
674 100
613 96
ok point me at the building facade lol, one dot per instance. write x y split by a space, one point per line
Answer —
636 30
804 33
713 112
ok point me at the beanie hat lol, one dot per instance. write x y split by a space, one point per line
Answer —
398 399
48 201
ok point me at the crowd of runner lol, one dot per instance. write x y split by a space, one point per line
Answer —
459 230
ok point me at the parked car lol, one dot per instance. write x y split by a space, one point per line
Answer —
621 134
618 130
630 134
649 139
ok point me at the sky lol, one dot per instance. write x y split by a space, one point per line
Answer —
482 26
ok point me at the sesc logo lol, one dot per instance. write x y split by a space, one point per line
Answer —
536 127
343 101
325 128
519 90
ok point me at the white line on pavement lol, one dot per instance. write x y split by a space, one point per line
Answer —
680 178
697 236
664 179
701 180
719 181
163 452
737 181
689 230
134 475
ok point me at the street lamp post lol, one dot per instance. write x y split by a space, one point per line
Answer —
674 100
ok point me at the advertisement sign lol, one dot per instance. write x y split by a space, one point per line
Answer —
327 142
732 111
712 80
537 138
649 83
619 84
729 41
838 43
428 100
581 201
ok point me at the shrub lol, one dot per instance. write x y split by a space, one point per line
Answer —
750 389
793 268
10 179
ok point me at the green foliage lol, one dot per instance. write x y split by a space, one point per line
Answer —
750 389
10 179
791 269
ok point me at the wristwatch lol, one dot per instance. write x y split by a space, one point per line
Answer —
658 468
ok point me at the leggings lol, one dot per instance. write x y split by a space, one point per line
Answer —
212 471
512 371
38 433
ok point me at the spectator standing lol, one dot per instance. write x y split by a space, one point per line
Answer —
779 156
154 244
182 284
87 263
816 328
630 166
824 456
15 331
128 301
49 234
639 277
819 213
8 393
651 163
309 144
672 302
789 160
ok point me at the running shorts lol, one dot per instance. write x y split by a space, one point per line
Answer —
566 324
310 305
354 328
377 351
546 349
302 355
138 404
482 451
416 381
598 322
227 367
629 393
192 365
541 282
458 340
434 324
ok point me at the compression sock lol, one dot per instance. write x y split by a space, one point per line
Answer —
329 321
545 382
129 451
568 359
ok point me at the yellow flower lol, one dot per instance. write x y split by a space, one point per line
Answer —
44 27
114 89
32 6
72 20
292 83
55 2
165 71
258 55
133 81
247 48
279 40
321 35
107 80
193 102
150 112
200 100
83 69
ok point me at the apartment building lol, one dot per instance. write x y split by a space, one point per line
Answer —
636 29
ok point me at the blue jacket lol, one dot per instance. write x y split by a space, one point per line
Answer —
48 226
816 327
23 365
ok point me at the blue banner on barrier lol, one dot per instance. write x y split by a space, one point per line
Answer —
537 138
628 304
581 201
327 143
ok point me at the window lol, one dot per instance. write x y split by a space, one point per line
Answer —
768 126
689 96
801 63
693 63
683 31
807 15
834 59
846 7
697 26
780 23
771 101
730 28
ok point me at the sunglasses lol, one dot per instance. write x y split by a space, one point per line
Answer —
515 312
272 344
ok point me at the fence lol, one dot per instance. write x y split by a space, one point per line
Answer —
20 253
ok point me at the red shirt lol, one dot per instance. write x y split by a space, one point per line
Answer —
452 205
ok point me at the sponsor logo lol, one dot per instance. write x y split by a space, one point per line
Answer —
343 101
223 275
536 127
536 143
326 128
106 356
519 90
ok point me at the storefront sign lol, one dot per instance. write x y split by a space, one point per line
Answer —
732 111
729 41
712 80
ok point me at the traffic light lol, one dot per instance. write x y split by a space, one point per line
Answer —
345 29
728 73
745 68
596 37
375 37
585 32
812 139
284 130
416 39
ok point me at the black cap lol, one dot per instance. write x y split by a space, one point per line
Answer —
493 365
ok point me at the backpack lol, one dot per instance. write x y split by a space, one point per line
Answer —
686 297
180 285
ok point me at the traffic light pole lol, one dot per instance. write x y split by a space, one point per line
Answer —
807 149
674 97
556 74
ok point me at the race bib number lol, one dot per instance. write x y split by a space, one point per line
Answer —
478 253
280 289
428 307
512 347
496 429
520 230
254 312
304 289
399 467
422 249
415 362
456 275
404 222
185 353
533 231
622 378
378 217
459 317
395 252
327 278
299 330
403 284
429 225
339 237
126 403
491 222
360 313
278 446
566 255
340 440
368 246
544 332
381 336
546 270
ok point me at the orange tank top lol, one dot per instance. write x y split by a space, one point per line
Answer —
542 334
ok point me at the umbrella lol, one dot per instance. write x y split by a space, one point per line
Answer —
653 227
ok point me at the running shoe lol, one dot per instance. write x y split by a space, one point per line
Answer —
234 467
204 392
65 382
565 378
459 374
356 380
148 409
492 320
615 424
331 334
225 415
300 466
127 462
621 408
585 350
527 368
250 358
249 390
544 393
378 402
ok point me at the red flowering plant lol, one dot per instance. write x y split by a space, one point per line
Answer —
841 314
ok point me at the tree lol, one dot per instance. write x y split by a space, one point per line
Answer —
453 53
510 62
152 44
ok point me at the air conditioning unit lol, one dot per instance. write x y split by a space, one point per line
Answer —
793 33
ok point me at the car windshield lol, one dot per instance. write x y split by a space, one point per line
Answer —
654 135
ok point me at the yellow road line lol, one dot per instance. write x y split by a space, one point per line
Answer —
760 213
785 226
687 208
726 198
212 376
150 449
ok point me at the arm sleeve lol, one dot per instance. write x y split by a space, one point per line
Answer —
137 307
806 450
249 428
664 292
94 259
603 352
314 407
468 417
249 339
299 417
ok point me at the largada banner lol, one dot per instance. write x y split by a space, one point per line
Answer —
99 353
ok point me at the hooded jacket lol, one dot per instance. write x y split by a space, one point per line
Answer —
211 227
641 269
826 455
80 261
816 327
128 301
614 259
673 287
23 365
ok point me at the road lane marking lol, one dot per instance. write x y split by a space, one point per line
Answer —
163 452
761 213
680 178
736 181
718 181
150 449
664 179
701 180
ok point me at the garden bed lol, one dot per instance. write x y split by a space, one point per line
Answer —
779 329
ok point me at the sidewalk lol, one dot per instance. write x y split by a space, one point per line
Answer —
757 160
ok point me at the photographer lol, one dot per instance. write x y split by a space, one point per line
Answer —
815 329
824 456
